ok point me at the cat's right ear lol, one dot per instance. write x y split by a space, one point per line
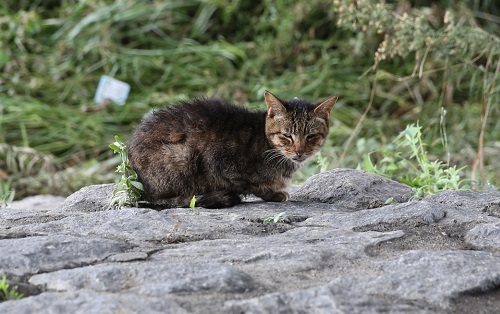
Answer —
274 106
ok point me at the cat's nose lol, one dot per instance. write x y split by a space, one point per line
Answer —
299 152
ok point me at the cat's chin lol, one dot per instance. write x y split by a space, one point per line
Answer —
298 160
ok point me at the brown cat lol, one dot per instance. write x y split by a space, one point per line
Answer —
217 151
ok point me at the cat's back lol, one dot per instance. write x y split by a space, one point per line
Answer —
204 113
199 118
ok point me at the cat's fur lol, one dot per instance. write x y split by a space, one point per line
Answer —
217 151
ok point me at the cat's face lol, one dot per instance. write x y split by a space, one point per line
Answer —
296 128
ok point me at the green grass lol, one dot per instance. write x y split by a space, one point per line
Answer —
52 55
406 160
7 293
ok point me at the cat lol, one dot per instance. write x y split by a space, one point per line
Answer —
217 151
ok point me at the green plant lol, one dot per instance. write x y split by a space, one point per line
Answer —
7 194
129 191
6 293
276 218
406 160
192 206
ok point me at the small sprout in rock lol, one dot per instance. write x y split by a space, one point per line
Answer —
6 293
129 191
390 201
174 236
7 194
276 218
192 205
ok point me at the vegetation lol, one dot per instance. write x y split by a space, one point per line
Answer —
7 293
129 191
280 217
392 64
406 160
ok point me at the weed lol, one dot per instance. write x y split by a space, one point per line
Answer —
128 193
192 206
6 293
174 236
276 218
6 193
406 160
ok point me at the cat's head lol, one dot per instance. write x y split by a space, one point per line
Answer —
297 128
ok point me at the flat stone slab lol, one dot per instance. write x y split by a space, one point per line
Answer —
352 189
337 247
86 302
148 278
37 254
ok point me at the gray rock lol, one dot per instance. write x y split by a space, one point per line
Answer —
148 278
436 277
485 236
479 201
337 250
418 282
352 189
39 202
90 198
37 254
86 302
324 299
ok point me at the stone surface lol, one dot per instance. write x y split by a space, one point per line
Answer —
32 255
352 189
90 198
338 249
40 202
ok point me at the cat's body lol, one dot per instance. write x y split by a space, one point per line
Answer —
217 151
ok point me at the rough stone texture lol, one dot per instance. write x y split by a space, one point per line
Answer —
32 255
40 202
86 302
352 189
90 198
337 250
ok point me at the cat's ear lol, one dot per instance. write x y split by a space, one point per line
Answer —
274 106
326 106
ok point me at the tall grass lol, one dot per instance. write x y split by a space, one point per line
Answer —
52 54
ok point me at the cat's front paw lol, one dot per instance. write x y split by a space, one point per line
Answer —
281 196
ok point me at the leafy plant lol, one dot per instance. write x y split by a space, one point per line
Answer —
406 160
129 191
7 194
280 217
6 293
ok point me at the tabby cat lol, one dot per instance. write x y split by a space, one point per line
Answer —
217 151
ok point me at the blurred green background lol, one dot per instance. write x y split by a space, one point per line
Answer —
392 64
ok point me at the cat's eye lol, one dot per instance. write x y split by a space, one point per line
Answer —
287 135
310 137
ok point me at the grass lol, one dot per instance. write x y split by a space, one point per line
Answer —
53 54
406 160
7 293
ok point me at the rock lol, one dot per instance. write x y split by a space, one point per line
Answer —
335 250
90 198
485 236
148 278
481 201
39 202
86 302
32 255
352 189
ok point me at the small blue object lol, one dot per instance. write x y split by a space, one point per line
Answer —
111 89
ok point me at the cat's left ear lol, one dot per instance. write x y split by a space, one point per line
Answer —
326 106
274 105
